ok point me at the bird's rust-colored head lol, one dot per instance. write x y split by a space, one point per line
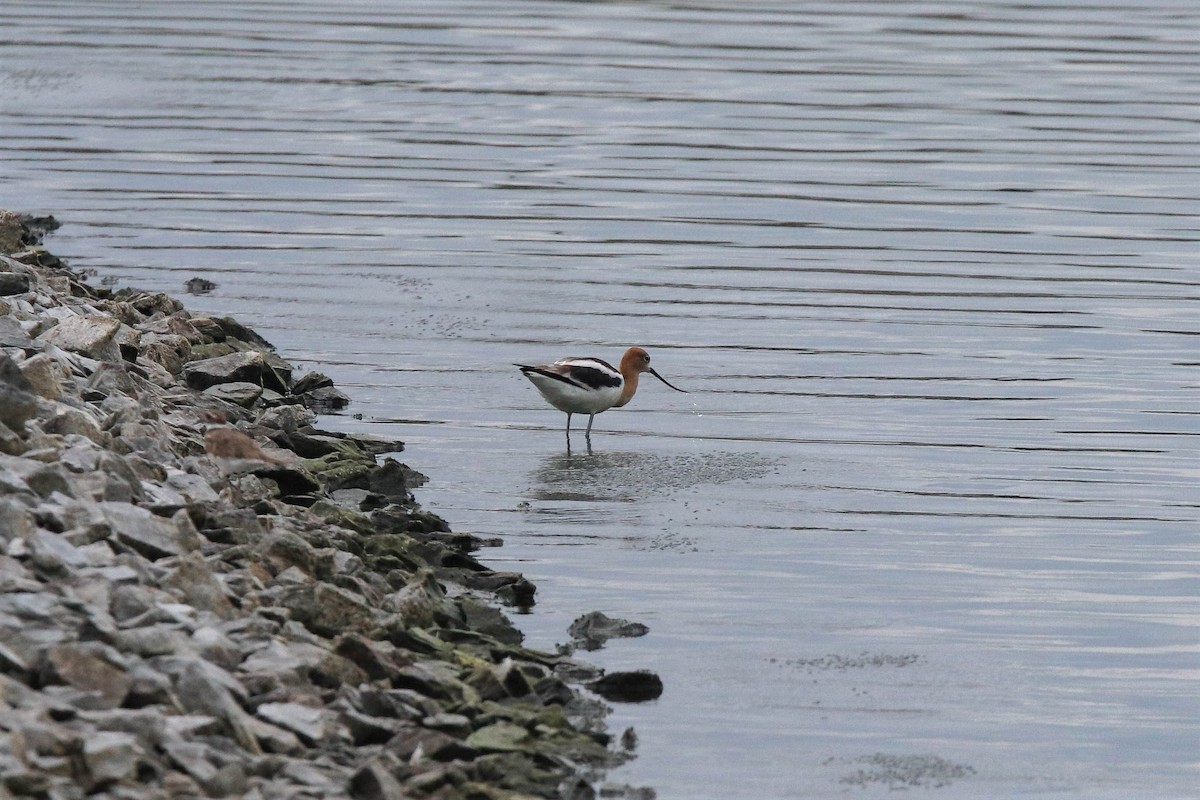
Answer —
636 361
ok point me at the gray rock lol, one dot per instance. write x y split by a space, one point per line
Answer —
500 737
11 660
249 367
375 780
328 610
47 479
326 398
201 690
13 283
45 375
14 336
112 378
66 420
18 403
92 336
10 443
110 757
91 668
194 758
287 418
216 647
194 583
592 630
192 487
147 725
150 641
140 530
240 393
272 738
52 553
310 724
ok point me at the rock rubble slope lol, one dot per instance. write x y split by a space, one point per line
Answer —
204 595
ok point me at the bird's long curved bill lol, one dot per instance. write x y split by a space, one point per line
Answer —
668 383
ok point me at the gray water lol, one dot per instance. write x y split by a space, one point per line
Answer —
927 519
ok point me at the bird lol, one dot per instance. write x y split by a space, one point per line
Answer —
590 385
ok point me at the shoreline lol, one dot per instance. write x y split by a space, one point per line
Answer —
202 594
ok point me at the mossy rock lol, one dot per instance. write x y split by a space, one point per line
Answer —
334 514
200 352
517 772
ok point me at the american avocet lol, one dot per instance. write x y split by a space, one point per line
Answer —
590 385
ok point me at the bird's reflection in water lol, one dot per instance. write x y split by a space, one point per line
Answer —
589 476
626 476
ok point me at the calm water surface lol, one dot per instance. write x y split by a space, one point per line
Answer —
927 519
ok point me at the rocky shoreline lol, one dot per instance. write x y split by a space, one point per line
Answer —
204 595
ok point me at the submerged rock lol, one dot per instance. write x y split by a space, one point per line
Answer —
628 687
592 630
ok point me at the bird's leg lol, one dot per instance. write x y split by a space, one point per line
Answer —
568 426
588 435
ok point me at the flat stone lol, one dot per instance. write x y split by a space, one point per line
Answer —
194 758
140 530
291 481
216 647
201 689
430 744
240 393
150 641
11 660
272 738
51 550
14 336
455 724
326 398
13 283
164 354
192 487
249 367
234 329
287 418
500 737
191 725
110 757
45 376
310 724
116 574
366 729
66 420
328 610
86 668
93 336
194 582
147 725
49 479
375 780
